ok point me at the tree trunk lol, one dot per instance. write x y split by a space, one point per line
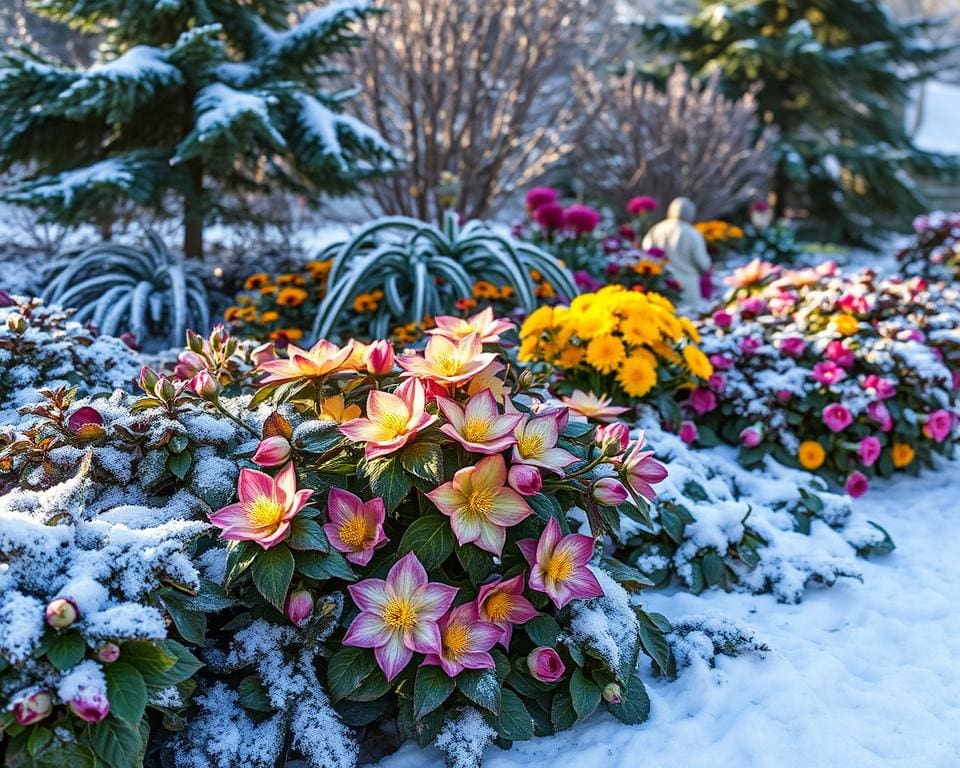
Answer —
192 213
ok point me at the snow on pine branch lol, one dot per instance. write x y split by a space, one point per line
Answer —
324 129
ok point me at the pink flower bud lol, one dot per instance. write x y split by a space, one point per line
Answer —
90 706
130 339
545 665
61 613
615 437
86 423
609 491
272 451
379 358
31 706
264 353
299 606
722 318
857 484
6 300
751 437
612 693
525 479
108 653
688 432
189 364
204 385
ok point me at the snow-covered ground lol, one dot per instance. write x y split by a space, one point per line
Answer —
861 675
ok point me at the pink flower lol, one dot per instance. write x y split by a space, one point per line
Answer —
854 304
86 423
641 205
783 395
524 479
266 508
108 653
642 471
751 437
90 706
881 388
549 216
879 414
479 427
480 506
558 565
299 606
837 417
609 491
702 400
750 344
626 232
592 406
322 359
755 272
378 358
483 324
272 451
840 354
466 641
580 219
793 346
537 443
545 665
857 484
613 437
31 706
722 318
205 386
938 426
502 603
688 432
753 305
721 362
717 382
448 362
392 420
869 450
61 612
827 372
540 196
189 364
399 616
356 526
264 353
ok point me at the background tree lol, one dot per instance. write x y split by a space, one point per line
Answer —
833 76
190 101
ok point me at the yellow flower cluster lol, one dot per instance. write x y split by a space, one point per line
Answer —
365 303
715 231
410 333
615 332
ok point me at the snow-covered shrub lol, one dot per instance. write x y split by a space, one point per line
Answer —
850 376
148 292
423 270
934 252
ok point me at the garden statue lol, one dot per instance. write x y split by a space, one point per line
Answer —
685 249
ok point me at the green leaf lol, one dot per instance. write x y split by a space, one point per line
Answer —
373 687
430 538
635 707
481 687
562 713
253 695
179 464
66 650
185 667
514 722
178 443
116 743
316 436
475 562
627 576
546 507
272 572
431 689
543 630
357 714
424 460
388 480
653 640
714 569
38 739
320 566
306 534
346 669
192 625
584 693
126 691
240 556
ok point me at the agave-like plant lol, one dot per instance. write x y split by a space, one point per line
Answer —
149 292
423 270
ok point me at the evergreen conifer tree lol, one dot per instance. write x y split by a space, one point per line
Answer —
834 76
191 100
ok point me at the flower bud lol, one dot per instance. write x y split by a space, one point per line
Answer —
86 423
130 339
689 432
525 479
90 706
612 693
609 491
299 606
752 436
194 341
272 452
61 612
613 438
379 358
189 364
205 385
16 323
108 653
31 706
6 300
545 665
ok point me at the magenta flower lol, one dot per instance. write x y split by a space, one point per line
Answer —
869 450
479 504
549 216
479 426
702 400
356 526
753 305
938 426
793 346
717 382
86 423
272 451
90 706
399 616
299 606
853 303
466 641
537 443
580 219
722 362
840 354
558 565
524 479
688 432
837 417
266 508
609 491
751 436
545 665
857 484
878 413
750 344
502 603
641 204
641 470
722 318
613 437
540 196
378 358
827 372
108 653
879 387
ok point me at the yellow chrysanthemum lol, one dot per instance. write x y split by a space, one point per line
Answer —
698 363
595 322
528 349
539 321
689 328
637 376
571 357
606 353
845 324
291 297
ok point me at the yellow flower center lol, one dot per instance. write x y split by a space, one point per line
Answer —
446 365
560 566
480 501
530 445
399 615
476 430
353 533
498 606
456 641
264 512
395 423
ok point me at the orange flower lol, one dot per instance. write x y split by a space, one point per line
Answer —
811 454
257 281
902 455
291 297
289 279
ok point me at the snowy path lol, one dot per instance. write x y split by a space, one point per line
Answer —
860 675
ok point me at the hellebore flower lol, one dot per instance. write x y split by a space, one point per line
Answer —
537 443
593 406
466 641
31 706
483 324
392 419
448 362
558 565
356 526
299 606
272 451
524 479
61 612
610 492
479 426
322 359
502 603
641 470
378 358
545 665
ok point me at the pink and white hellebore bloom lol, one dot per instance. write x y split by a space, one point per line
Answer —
392 419
592 406
448 362
479 426
483 324
272 451
537 444
399 616
466 641
558 565
502 603
642 471
356 526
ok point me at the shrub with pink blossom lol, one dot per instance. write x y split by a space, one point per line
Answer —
934 252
